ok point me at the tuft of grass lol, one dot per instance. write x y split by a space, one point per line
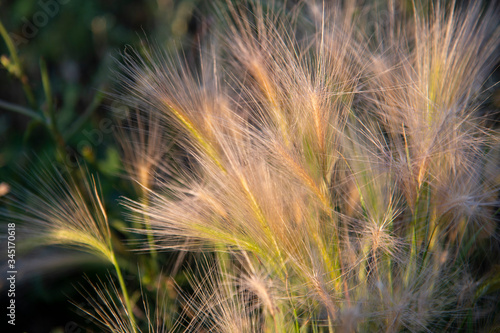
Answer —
58 211
350 176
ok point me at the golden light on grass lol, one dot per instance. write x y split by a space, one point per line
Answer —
339 173
57 211
395 122
342 171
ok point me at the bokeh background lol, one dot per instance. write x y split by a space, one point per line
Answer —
81 43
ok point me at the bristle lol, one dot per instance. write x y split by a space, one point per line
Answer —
55 210
349 170
106 307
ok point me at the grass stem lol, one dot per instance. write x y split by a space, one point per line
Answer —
126 297
22 110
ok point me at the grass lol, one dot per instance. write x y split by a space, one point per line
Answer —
332 175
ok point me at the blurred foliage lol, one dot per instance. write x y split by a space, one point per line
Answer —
79 44
80 41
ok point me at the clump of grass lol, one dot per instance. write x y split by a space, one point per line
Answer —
338 173
351 177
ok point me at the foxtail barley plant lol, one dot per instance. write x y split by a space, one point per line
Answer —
330 171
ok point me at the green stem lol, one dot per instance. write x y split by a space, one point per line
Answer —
17 63
22 110
50 110
46 89
78 124
128 304
10 44
27 91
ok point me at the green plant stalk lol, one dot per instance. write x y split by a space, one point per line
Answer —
50 110
412 265
49 120
46 88
9 43
22 110
296 320
128 304
429 234
19 74
78 124
112 258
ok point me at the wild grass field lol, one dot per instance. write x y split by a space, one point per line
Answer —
254 166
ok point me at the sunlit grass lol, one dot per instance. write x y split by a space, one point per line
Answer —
339 179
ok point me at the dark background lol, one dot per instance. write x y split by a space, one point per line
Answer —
81 43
